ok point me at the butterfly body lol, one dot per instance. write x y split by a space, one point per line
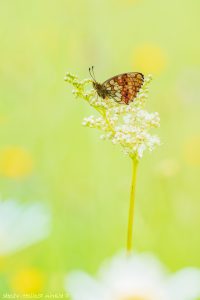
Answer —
123 88
100 89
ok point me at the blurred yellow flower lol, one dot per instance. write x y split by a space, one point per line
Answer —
3 119
27 281
192 150
133 1
134 298
149 58
15 162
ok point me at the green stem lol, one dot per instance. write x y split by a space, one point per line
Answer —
132 205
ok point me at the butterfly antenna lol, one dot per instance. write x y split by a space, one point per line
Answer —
91 71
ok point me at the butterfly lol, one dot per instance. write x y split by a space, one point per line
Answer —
123 88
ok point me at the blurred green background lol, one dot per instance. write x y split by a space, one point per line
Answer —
46 155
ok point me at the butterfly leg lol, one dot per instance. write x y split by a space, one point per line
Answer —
97 97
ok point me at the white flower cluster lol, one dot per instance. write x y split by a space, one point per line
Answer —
22 225
138 276
126 125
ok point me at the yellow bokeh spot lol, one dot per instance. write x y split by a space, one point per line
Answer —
134 298
133 1
192 150
3 119
168 167
149 59
15 162
27 281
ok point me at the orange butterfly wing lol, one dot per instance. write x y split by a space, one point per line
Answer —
123 88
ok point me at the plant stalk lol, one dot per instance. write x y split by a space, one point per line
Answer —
132 206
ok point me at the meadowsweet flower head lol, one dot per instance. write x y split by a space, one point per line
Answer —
124 125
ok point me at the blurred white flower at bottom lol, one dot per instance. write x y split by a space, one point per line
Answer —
22 225
137 277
